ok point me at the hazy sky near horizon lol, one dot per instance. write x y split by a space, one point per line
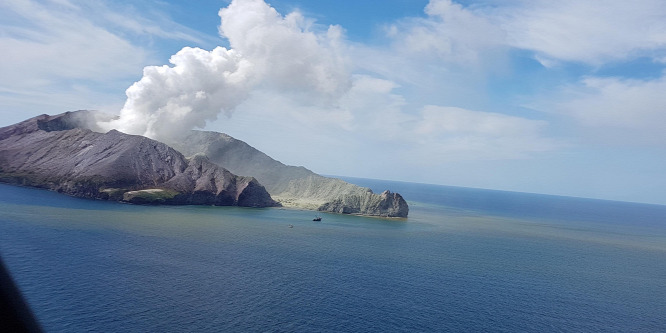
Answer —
559 97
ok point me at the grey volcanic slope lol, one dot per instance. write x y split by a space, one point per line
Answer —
290 185
54 152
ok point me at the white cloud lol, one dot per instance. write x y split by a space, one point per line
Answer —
152 23
449 33
376 110
368 113
444 58
616 110
592 32
42 43
371 126
287 54
75 54
451 133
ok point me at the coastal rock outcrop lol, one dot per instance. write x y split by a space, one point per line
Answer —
290 185
386 204
61 153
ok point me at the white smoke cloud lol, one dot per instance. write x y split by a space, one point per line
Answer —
268 51
170 100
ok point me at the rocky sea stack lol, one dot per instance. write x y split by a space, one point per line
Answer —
384 204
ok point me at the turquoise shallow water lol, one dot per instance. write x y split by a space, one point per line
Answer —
465 260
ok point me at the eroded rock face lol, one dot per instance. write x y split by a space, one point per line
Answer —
290 185
53 152
386 204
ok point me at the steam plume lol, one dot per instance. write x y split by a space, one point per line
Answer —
268 51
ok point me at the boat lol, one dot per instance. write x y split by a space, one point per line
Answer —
317 218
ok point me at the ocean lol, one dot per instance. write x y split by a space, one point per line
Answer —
467 260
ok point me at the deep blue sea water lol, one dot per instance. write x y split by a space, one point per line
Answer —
465 260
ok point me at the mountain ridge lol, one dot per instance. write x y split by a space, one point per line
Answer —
54 152
67 153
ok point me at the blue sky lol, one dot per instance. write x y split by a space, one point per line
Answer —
557 97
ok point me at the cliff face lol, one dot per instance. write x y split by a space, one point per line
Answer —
55 152
290 185
384 204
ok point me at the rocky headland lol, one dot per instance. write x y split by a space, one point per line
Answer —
292 186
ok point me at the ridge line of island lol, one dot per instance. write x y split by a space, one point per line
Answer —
69 153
